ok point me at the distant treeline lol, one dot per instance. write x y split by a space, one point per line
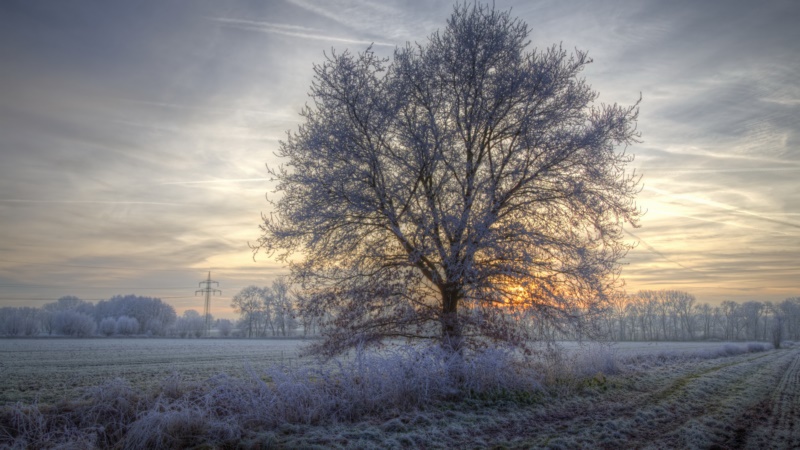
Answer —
664 315
120 315
669 315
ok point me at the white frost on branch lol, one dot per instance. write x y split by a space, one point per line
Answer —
462 191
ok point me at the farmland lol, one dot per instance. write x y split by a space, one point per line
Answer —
49 370
631 395
750 400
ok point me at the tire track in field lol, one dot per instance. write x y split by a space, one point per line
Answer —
780 430
700 405
745 401
716 407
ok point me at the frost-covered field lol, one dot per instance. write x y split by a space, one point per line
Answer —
675 396
631 395
48 370
55 369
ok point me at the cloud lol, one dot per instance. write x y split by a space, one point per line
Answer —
216 181
700 200
87 202
293 31
212 108
395 21
135 135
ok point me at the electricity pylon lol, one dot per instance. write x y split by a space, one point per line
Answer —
208 291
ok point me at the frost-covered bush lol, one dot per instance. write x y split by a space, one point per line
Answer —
732 349
154 316
31 426
754 347
108 326
373 383
127 326
409 376
592 359
665 356
19 321
180 424
225 327
221 410
155 327
72 323
566 370
191 323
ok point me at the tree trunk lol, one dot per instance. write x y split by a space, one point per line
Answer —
451 326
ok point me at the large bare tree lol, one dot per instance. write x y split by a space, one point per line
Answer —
451 191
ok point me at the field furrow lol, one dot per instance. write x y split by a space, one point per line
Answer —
712 407
707 404
743 397
780 429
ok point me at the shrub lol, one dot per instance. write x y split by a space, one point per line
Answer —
127 326
754 347
731 350
72 323
108 326
180 424
223 410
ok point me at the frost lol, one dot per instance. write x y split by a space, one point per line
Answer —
468 191
676 395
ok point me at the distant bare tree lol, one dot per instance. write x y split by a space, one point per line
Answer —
705 315
445 195
791 313
778 319
732 320
284 308
248 302
751 316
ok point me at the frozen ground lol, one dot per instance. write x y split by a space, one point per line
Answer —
55 369
632 395
49 370
750 400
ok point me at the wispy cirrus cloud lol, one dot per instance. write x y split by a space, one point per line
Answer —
135 133
293 31
87 202
216 181
393 19
701 200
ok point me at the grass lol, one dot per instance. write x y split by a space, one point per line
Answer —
397 392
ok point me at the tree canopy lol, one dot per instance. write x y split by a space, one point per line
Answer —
453 190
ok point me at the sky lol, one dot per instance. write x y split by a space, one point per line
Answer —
134 135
